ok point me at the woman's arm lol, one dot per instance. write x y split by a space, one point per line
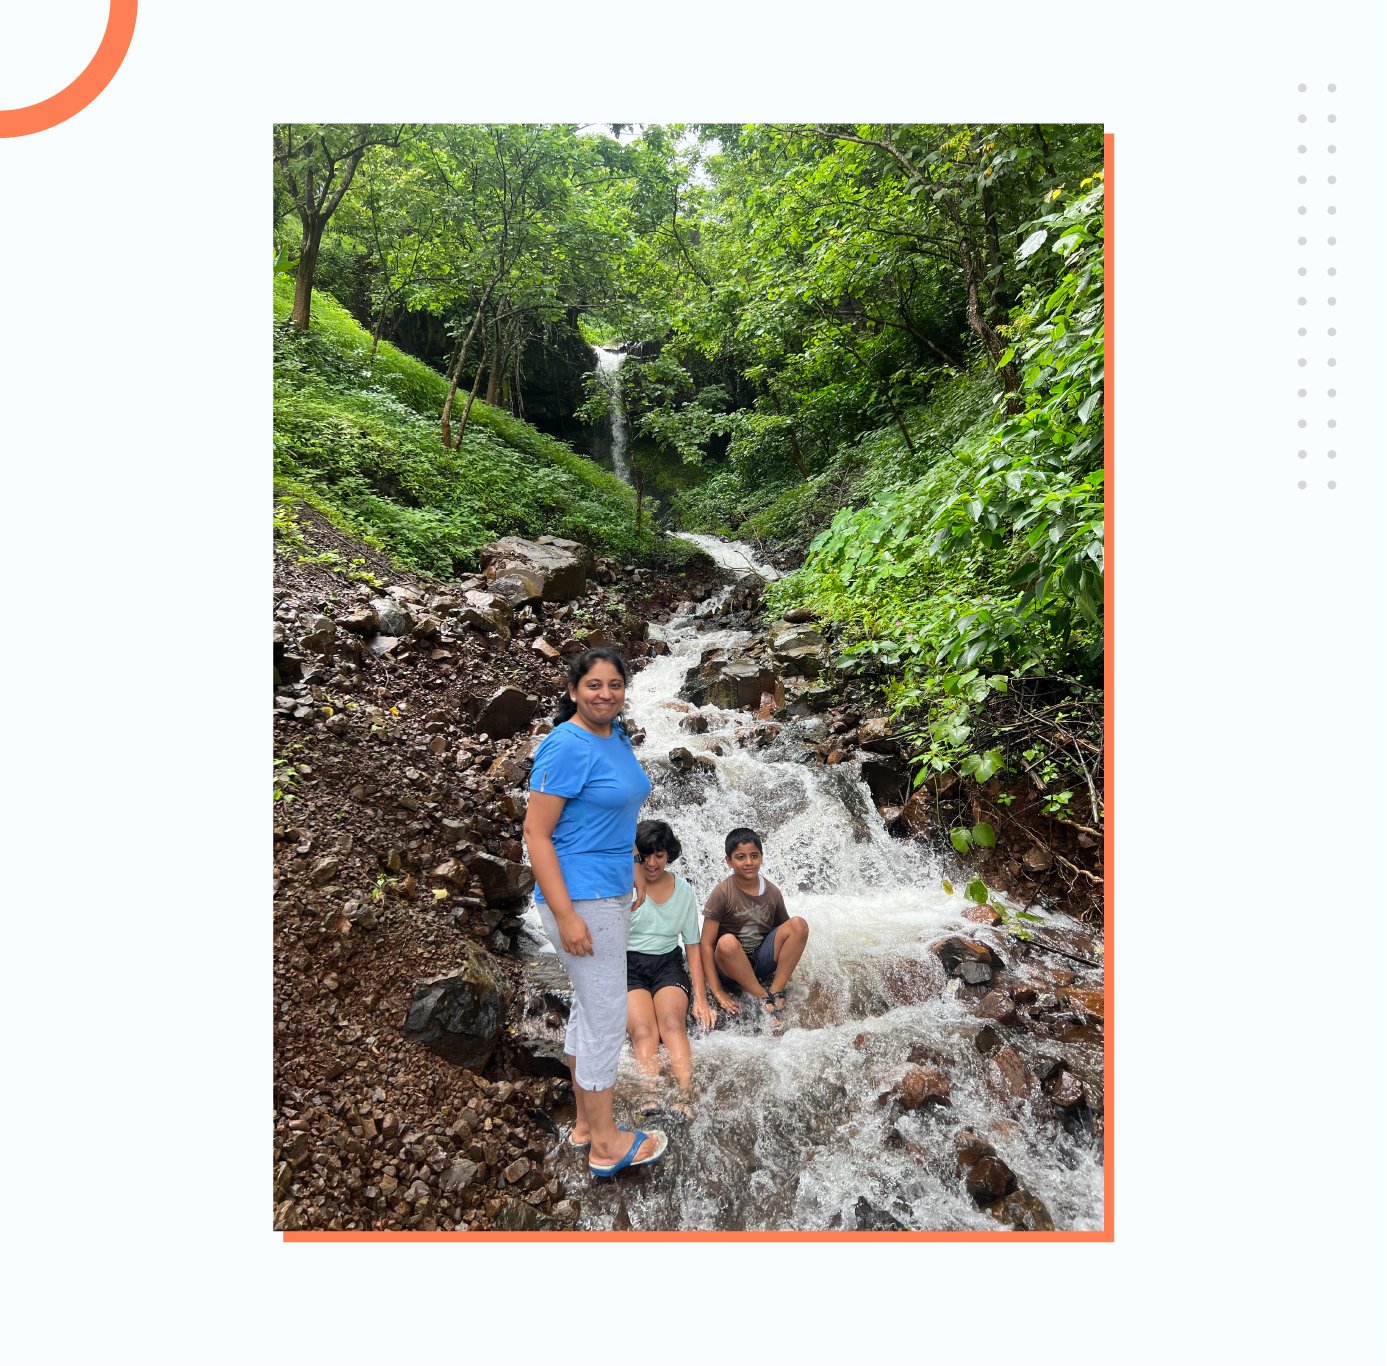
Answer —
541 816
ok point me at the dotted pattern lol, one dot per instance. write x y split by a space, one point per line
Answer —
1316 211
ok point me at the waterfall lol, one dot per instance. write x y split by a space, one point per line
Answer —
797 1130
609 377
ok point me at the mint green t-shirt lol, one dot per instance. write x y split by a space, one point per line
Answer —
658 929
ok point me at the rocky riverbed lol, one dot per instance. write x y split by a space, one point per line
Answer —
417 1075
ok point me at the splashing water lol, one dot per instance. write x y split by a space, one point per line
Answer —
796 1131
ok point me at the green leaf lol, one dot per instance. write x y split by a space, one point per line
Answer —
1031 245
984 835
961 840
976 891
948 887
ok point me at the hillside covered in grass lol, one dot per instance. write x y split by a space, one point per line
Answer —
358 438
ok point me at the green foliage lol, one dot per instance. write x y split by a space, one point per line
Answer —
362 436
988 567
1011 921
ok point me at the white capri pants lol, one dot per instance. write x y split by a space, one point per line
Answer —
597 1022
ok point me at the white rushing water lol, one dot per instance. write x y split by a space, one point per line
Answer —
734 555
609 376
790 1131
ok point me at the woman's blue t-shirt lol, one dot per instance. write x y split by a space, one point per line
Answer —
604 787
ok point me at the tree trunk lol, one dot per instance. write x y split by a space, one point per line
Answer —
471 399
308 265
453 375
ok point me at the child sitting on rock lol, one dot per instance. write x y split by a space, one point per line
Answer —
749 939
658 989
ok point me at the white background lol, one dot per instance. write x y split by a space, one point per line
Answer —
1248 932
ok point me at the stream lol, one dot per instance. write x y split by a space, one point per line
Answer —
798 1130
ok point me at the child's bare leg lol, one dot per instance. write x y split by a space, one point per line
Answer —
790 940
644 1030
671 1011
735 966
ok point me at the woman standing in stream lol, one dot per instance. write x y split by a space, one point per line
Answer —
586 790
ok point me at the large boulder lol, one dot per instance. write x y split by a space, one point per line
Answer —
737 684
967 958
460 1016
505 712
503 881
487 612
797 649
524 571
391 618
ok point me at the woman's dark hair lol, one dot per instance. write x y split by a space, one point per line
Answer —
653 836
582 664
742 835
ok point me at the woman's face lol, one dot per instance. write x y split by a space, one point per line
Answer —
654 864
599 696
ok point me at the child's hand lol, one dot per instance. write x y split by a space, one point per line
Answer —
703 1013
726 1002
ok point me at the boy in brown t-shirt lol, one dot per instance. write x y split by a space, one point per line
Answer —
749 939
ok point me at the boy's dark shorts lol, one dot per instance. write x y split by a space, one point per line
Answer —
652 971
762 963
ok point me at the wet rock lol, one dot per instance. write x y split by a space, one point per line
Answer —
392 619
1064 1088
1088 1000
1038 860
997 1005
505 712
1025 1212
532 571
968 959
981 915
888 779
987 1040
681 759
810 702
515 1216
460 1016
503 881
696 723
868 1218
737 684
919 816
970 1147
1015 1074
797 649
988 1180
543 647
923 1086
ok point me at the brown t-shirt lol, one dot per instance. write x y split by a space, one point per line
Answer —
750 917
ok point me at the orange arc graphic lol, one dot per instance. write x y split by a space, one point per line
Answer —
72 99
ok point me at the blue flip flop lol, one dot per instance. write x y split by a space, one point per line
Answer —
631 1160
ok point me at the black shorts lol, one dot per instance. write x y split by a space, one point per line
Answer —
651 971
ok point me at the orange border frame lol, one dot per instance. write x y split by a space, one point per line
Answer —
1104 1235
92 80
